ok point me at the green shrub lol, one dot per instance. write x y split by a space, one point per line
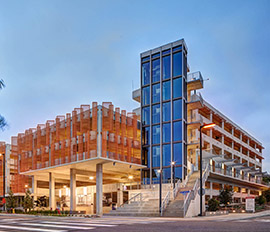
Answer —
213 204
260 200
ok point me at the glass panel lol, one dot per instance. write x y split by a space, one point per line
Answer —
156 134
146 136
156 55
177 109
166 112
178 173
145 58
177 64
145 157
177 87
146 96
156 114
156 70
166 90
166 155
166 175
177 131
166 66
177 153
146 115
156 93
166 133
166 52
146 73
156 156
177 48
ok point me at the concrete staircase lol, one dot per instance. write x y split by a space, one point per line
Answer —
148 208
176 206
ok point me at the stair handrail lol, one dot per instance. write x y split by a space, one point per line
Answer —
165 202
176 189
132 198
191 195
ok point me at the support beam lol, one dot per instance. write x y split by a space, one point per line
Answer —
34 187
99 190
72 190
52 191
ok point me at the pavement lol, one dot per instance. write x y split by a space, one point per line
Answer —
233 222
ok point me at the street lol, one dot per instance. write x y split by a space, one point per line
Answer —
111 224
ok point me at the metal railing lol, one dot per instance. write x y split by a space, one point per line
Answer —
165 202
136 198
195 76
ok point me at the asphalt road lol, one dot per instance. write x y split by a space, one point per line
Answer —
118 224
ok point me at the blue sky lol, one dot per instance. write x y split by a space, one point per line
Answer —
56 55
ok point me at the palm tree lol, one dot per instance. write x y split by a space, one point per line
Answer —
3 122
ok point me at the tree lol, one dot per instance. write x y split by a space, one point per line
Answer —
28 201
260 200
213 204
266 194
11 202
225 196
3 122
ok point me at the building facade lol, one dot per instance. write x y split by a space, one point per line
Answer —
98 156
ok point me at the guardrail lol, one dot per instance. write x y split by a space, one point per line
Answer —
137 197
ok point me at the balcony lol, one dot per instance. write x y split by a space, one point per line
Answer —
195 121
196 101
194 81
136 95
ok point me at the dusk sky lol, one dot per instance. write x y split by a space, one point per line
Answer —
56 55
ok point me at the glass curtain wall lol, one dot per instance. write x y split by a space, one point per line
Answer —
163 105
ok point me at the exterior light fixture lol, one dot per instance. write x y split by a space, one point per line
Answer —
113 163
130 177
91 178
205 126
65 186
26 186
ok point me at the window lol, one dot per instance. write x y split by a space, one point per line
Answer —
177 87
166 90
145 58
145 157
156 114
146 73
166 66
177 153
177 64
166 52
156 134
178 173
146 96
155 55
166 133
166 175
166 112
177 48
156 93
166 155
156 70
177 109
146 115
177 131
146 136
156 156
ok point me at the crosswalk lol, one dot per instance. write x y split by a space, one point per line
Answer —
70 224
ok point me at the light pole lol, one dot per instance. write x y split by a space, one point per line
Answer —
160 189
4 178
173 173
206 126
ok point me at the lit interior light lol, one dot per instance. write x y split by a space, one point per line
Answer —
130 177
91 178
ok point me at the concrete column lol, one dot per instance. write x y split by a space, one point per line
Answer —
72 190
248 192
119 194
52 191
99 189
34 187
211 189
222 125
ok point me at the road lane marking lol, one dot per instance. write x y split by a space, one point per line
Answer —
19 228
80 223
58 226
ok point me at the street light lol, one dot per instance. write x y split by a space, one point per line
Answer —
206 126
4 177
173 172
